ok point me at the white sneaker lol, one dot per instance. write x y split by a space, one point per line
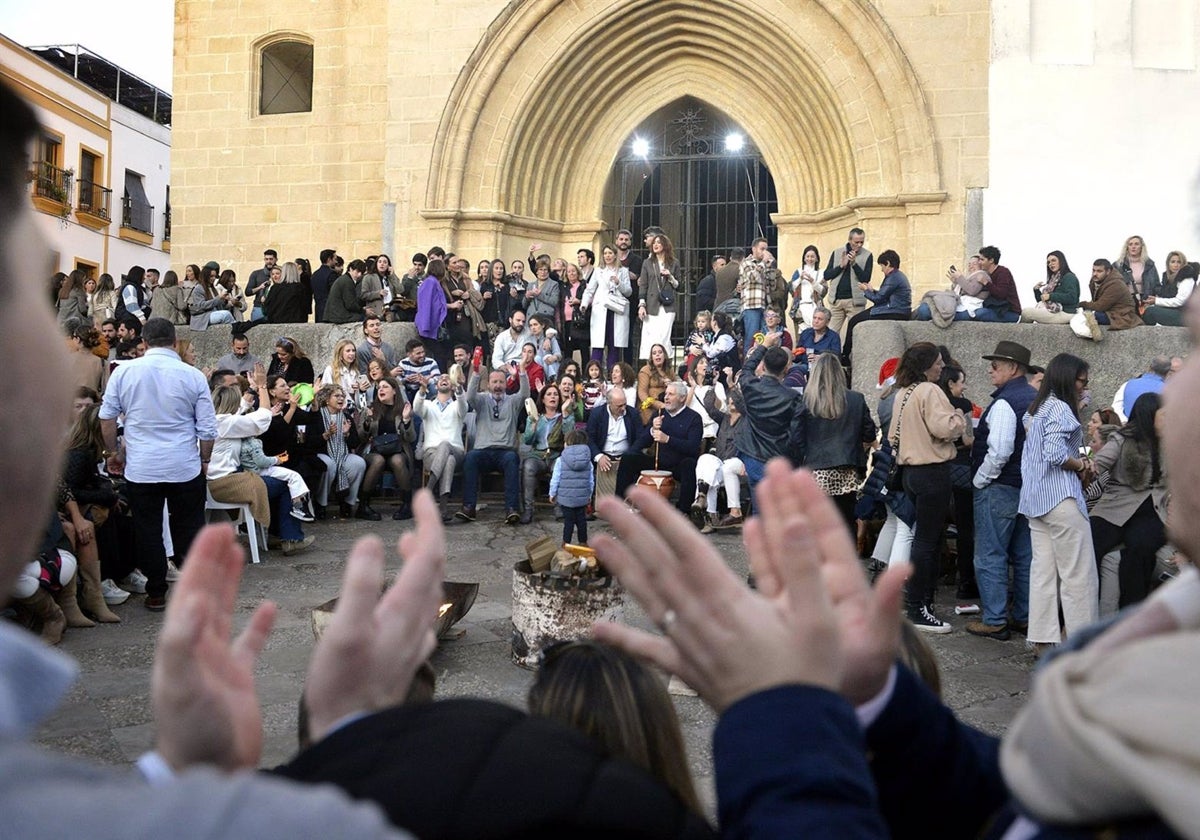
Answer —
172 571
134 582
301 514
113 594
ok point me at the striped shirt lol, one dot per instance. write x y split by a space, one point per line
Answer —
1052 436
428 368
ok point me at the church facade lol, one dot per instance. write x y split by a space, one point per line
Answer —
387 126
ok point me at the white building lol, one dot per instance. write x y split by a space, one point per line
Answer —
1092 123
100 178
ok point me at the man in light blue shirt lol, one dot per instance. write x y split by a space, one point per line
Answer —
167 409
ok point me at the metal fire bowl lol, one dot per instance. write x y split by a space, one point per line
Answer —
461 597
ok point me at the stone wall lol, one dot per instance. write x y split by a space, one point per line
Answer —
316 340
1120 356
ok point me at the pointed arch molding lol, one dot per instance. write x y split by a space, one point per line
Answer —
541 110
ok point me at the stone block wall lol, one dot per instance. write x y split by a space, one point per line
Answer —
1119 357
316 340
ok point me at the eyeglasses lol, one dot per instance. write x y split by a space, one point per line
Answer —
495 411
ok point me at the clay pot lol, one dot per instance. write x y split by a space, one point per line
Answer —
660 481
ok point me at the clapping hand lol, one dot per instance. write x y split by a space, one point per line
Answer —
202 687
814 619
375 642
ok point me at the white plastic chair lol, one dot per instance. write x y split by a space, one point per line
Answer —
255 535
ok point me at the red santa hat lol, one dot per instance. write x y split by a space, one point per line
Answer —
887 372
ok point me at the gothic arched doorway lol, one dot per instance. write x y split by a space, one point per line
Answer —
691 170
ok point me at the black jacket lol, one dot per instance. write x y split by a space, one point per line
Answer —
774 422
839 442
476 769
597 428
287 303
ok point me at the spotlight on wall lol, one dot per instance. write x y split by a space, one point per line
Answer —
734 142
641 147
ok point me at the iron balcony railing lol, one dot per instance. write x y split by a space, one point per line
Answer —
95 199
49 181
137 215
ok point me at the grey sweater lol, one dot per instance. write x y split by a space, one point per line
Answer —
492 432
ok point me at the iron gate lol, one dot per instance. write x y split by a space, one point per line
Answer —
708 199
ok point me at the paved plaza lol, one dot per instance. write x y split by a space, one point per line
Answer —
107 716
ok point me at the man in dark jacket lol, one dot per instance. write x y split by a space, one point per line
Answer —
322 282
612 429
676 434
343 306
706 290
1001 534
772 426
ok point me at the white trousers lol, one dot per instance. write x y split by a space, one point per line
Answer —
1063 571
714 472
656 329
296 486
894 545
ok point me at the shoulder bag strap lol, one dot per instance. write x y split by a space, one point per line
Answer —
899 419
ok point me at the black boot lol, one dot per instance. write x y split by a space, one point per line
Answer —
365 511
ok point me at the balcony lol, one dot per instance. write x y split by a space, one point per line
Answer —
51 188
137 221
94 206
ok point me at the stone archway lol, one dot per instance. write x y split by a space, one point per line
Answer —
533 125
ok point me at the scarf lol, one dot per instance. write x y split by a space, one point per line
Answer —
335 447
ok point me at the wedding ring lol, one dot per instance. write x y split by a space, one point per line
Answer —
668 619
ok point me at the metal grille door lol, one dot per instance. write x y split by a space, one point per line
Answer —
689 181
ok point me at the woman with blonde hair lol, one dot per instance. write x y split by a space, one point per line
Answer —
1139 271
620 704
838 431
1165 306
227 481
342 370
287 301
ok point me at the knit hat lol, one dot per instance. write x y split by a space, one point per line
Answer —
887 372
211 264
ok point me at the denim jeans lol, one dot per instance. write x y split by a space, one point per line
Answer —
752 322
985 315
755 470
283 524
492 460
1001 537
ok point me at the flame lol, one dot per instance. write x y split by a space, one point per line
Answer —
444 608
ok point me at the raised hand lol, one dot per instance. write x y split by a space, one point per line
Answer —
202 687
376 641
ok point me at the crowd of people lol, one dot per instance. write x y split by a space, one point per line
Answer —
827 723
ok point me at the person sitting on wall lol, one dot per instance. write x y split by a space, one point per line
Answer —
676 433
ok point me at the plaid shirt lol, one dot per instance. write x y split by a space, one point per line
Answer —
753 284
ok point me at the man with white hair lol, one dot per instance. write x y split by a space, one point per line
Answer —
673 440
612 429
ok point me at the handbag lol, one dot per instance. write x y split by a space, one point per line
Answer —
616 302
387 444
666 297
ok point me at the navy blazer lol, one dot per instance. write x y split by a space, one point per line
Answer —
597 427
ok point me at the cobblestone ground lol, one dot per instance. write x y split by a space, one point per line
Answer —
107 715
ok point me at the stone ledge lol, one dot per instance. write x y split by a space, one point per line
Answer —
316 340
1120 356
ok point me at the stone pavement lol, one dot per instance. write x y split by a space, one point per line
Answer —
107 716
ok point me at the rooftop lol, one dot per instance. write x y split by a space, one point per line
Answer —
102 75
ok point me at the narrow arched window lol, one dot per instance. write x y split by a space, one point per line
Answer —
286 78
